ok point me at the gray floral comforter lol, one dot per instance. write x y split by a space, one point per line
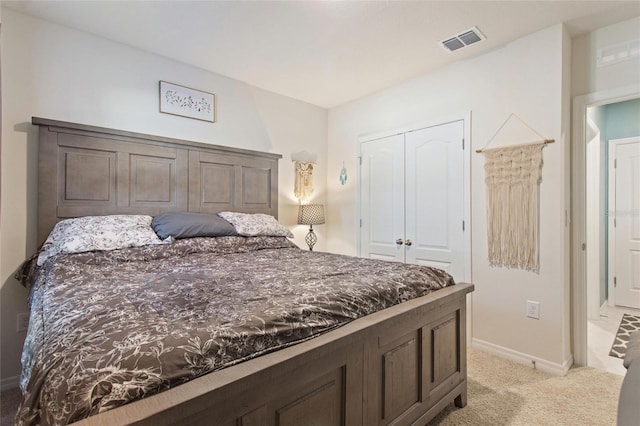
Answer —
108 328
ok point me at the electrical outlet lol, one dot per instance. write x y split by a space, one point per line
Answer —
22 321
533 309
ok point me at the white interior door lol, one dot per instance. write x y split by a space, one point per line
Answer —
624 203
434 164
382 198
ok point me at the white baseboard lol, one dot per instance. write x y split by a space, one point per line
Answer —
522 358
9 383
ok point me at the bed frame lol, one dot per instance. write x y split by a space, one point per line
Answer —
399 366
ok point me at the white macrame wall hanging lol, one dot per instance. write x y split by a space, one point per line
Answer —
512 176
303 187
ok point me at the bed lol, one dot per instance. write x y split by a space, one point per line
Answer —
336 362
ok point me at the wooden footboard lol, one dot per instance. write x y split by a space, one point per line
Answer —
399 366
418 365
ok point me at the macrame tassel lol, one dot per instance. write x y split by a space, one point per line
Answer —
512 175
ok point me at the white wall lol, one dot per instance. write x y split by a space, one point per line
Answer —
528 77
54 72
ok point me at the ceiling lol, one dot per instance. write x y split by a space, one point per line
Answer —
322 52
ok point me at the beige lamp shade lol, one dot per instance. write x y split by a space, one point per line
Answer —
311 214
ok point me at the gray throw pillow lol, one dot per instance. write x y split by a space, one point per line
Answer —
190 225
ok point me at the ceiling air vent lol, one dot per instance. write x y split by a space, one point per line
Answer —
463 39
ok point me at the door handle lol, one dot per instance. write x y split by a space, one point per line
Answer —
399 241
408 243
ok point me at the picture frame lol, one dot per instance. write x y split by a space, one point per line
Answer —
187 102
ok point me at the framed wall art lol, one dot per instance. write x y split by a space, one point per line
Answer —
187 102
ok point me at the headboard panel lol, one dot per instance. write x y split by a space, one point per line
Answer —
86 170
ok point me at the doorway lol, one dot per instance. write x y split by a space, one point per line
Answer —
598 119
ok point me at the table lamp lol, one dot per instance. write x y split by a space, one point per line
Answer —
311 214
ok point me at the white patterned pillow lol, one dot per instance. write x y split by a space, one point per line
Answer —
91 233
252 224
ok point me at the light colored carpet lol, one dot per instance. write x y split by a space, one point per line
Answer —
502 392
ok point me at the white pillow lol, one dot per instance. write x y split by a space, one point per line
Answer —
91 233
253 224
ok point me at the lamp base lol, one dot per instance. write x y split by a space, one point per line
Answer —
311 238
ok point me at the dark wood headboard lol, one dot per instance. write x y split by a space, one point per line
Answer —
86 170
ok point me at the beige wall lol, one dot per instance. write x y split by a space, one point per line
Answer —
528 77
54 72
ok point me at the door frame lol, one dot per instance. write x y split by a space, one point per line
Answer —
578 209
465 117
611 243
594 218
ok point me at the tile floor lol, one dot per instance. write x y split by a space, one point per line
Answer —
600 335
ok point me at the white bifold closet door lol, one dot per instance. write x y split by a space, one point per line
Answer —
412 198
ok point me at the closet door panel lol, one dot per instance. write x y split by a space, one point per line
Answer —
434 164
382 199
